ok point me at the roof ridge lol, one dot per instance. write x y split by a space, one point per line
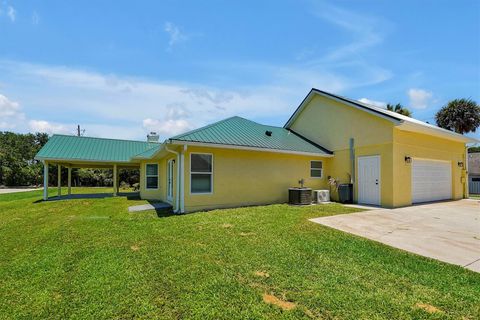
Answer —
100 138
204 127
360 104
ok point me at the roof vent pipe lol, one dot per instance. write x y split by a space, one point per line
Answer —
268 133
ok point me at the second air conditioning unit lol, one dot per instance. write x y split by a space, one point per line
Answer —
320 196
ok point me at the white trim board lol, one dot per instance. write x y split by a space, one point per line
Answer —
235 147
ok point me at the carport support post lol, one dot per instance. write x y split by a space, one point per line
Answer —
69 180
59 179
45 180
115 181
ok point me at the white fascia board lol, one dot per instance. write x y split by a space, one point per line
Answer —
83 160
228 146
435 131
314 92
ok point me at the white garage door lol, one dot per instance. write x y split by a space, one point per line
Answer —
431 180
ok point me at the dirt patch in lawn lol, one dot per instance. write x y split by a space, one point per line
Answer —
227 225
427 307
262 274
135 247
246 234
284 305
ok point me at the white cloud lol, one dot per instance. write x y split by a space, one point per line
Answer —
168 127
48 127
176 36
10 113
379 104
365 31
11 13
35 18
419 98
125 107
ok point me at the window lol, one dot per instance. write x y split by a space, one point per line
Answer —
316 169
201 173
476 179
151 175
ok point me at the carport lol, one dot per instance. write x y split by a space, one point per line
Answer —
95 153
116 167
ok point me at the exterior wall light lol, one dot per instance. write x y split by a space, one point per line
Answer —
408 159
460 164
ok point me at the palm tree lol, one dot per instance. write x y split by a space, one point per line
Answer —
398 108
459 115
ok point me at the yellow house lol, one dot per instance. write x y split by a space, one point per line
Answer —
390 159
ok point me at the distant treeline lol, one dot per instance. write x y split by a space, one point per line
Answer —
18 167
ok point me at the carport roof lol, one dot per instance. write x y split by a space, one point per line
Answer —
74 148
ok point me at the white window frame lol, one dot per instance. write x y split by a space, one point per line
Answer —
211 174
149 176
321 170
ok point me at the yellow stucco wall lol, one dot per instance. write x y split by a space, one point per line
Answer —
340 169
243 178
252 178
161 192
423 146
331 124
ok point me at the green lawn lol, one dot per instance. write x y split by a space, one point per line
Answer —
91 259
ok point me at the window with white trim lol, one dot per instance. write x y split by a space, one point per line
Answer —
151 176
316 169
201 173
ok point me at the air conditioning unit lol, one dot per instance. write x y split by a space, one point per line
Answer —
321 196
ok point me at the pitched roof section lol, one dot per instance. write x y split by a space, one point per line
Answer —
404 121
237 131
64 147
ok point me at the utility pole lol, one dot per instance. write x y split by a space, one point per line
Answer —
80 132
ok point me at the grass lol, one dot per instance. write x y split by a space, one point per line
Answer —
475 196
91 259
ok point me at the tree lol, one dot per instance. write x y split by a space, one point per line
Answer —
17 166
473 149
398 108
459 115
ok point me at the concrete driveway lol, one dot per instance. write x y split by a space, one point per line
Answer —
447 231
13 190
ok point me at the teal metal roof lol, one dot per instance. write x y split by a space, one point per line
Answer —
149 153
64 147
237 131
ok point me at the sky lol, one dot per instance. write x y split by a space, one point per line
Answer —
121 69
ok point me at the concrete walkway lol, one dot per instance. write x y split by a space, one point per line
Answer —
150 206
13 190
446 231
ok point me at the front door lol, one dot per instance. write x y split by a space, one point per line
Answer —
369 180
170 179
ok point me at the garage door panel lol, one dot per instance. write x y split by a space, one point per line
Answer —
431 180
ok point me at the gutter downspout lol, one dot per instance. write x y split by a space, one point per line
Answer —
182 179
177 195
352 160
466 184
